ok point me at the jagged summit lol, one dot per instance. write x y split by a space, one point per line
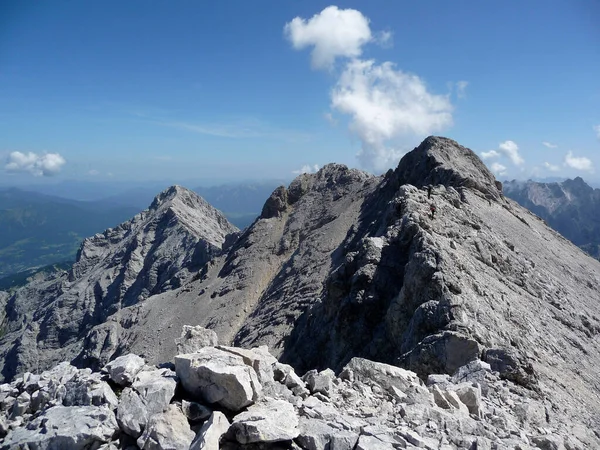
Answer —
438 160
155 251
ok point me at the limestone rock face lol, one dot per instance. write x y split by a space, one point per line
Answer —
216 376
154 252
268 421
123 369
74 427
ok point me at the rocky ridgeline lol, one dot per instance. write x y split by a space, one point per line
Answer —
219 397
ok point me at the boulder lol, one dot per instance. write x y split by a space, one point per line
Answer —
193 338
68 427
131 413
385 375
217 376
156 388
268 421
321 382
123 369
168 430
316 434
209 435
259 359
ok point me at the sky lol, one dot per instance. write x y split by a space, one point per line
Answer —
118 91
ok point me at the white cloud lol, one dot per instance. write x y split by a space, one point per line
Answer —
329 118
578 163
511 150
489 155
384 104
461 87
93 172
385 39
498 169
551 167
597 130
333 33
46 165
307 169
549 145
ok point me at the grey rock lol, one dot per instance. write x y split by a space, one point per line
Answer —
167 430
385 375
132 415
217 376
193 338
195 411
267 421
259 359
316 434
122 370
321 382
73 427
209 435
156 388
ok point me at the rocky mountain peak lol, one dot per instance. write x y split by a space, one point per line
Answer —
155 251
438 160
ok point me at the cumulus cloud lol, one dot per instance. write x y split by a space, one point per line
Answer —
551 167
579 163
489 155
47 164
549 145
511 151
597 130
385 103
332 33
498 169
461 87
307 169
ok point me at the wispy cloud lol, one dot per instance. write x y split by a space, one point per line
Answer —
511 150
93 172
329 118
490 155
498 169
39 165
597 130
307 169
578 162
551 167
239 129
549 144
461 89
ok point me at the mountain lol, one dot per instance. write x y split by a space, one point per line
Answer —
38 229
343 264
571 207
47 320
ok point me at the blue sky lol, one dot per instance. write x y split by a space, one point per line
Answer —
190 90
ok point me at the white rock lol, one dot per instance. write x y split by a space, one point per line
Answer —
123 369
267 421
193 338
217 376
209 435
65 427
167 431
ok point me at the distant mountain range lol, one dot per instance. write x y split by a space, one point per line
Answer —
38 230
571 207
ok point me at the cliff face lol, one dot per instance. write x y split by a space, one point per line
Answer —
343 264
155 251
571 207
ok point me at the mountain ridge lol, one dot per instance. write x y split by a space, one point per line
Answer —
342 263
